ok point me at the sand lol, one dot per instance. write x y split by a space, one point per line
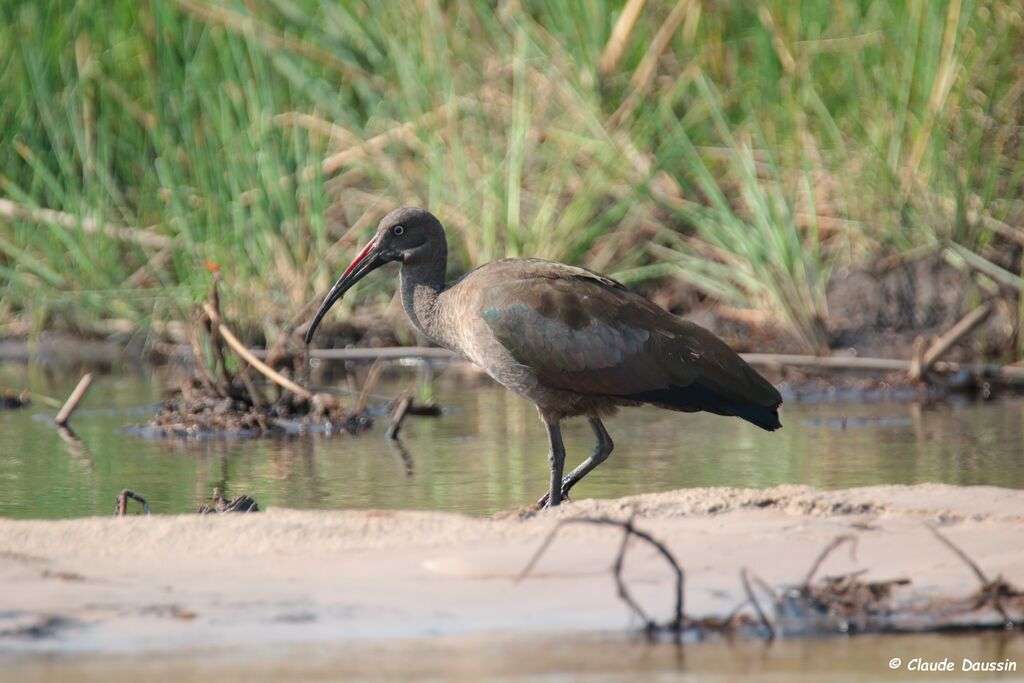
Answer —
285 577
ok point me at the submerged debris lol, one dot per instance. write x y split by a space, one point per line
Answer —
220 504
842 604
122 503
404 406
10 400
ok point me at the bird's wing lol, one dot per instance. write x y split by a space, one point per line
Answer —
584 332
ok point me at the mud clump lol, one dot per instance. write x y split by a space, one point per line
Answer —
223 398
193 411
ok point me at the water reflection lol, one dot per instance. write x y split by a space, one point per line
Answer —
489 453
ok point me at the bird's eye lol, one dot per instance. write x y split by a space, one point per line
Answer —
398 230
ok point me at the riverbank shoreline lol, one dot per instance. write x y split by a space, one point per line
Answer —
286 577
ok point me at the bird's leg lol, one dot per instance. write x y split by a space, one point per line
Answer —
601 452
557 458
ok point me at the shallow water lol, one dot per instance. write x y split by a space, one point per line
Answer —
608 658
489 453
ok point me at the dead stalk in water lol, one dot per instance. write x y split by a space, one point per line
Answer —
73 400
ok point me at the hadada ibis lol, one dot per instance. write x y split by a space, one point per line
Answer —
571 341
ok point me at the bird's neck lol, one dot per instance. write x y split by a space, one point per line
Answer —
422 285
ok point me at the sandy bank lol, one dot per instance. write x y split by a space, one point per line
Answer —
287 576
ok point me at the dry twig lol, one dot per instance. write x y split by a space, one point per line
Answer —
678 622
991 591
769 629
836 542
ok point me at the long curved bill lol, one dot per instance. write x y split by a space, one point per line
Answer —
368 260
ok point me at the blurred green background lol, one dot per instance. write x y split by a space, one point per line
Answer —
749 148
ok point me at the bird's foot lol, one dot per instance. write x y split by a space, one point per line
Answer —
544 501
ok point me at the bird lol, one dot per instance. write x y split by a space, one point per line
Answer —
571 341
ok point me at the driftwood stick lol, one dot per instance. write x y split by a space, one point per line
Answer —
758 359
620 583
27 396
73 400
991 589
678 621
1006 373
836 542
837 362
266 370
959 553
769 629
962 328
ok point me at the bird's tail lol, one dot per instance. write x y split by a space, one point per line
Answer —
765 418
698 396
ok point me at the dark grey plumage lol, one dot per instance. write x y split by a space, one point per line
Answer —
571 341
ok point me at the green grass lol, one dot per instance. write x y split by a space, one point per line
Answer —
769 142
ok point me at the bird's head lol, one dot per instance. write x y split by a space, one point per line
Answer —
410 235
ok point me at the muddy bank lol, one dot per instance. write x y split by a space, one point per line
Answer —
285 576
